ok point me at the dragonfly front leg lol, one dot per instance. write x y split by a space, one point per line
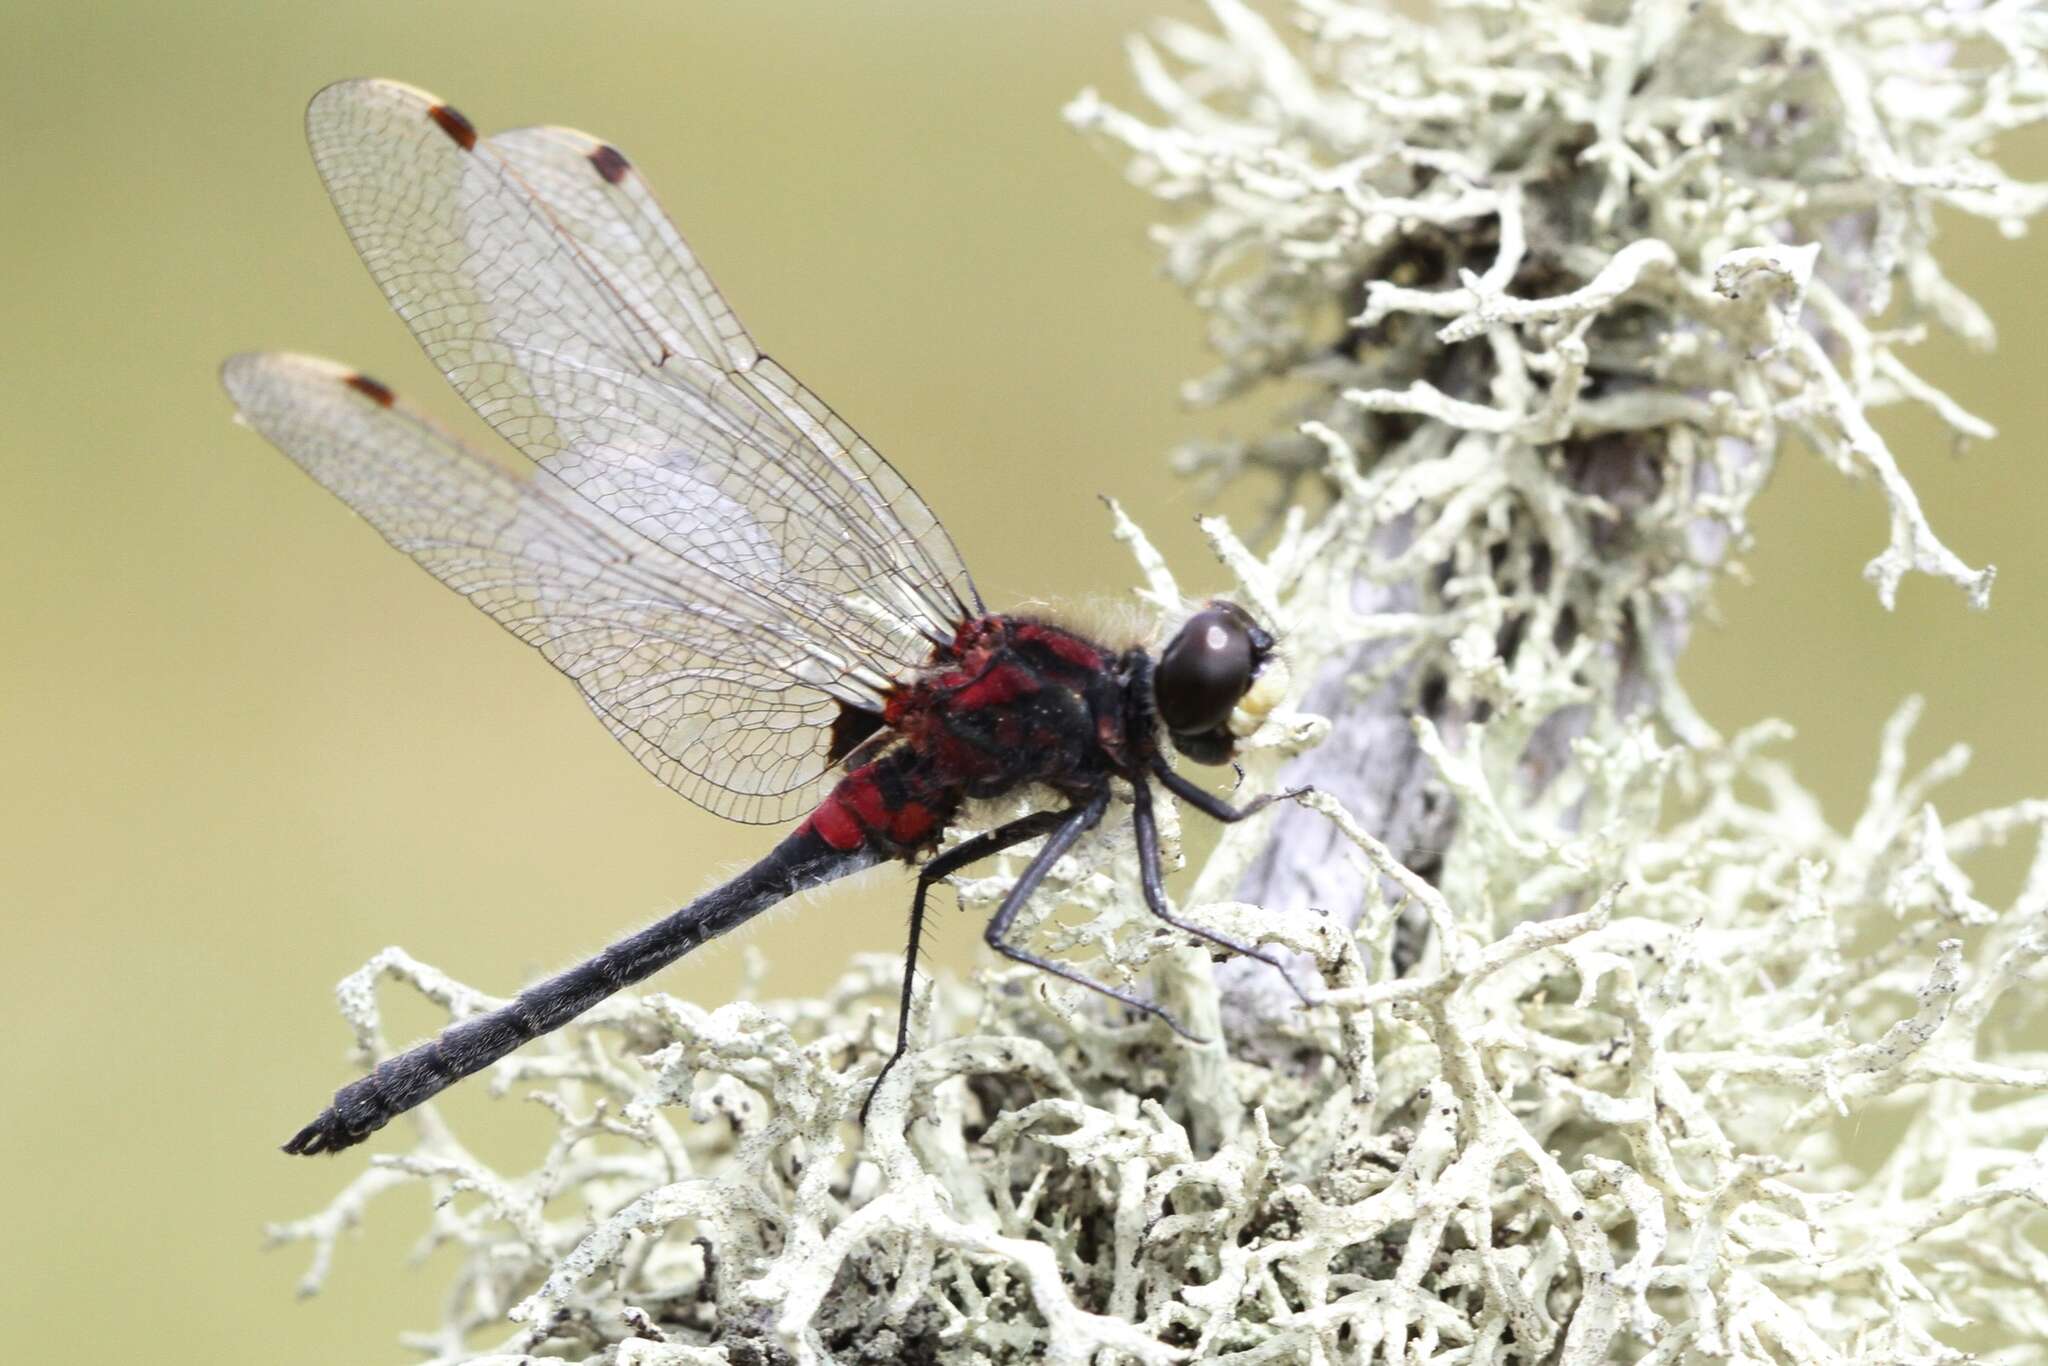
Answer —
1146 827
1213 806
984 845
1076 822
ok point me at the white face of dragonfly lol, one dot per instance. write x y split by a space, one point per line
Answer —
1268 689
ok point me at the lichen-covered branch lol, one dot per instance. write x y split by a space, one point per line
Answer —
1615 1132
1566 279
1604 1006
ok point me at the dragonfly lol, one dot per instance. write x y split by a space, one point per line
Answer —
749 597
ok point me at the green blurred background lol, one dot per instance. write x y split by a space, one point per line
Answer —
244 746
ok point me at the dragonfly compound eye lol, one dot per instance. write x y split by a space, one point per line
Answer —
1203 672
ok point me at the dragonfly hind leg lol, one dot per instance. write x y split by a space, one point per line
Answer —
1146 827
1074 823
984 845
1065 828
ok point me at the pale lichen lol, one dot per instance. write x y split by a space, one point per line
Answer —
1554 284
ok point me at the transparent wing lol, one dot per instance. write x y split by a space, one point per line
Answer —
701 681
541 276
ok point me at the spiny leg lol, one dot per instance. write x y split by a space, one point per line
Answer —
1213 806
982 846
1146 828
1073 824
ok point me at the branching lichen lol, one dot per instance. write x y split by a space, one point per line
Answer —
1553 284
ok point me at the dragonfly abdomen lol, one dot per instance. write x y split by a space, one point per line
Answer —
890 805
801 861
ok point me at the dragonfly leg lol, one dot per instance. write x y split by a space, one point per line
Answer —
1074 823
1146 827
1213 806
984 845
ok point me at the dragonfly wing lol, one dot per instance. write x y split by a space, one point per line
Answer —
590 192
703 683
595 196
539 273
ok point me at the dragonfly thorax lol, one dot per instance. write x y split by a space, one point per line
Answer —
1014 701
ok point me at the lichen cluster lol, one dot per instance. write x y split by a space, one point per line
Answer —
1585 234
1679 1072
1611 1134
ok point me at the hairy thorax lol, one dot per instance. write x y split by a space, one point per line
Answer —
1011 703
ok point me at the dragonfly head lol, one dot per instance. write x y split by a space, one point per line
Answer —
1215 681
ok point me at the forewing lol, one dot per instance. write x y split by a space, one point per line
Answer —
699 681
541 276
